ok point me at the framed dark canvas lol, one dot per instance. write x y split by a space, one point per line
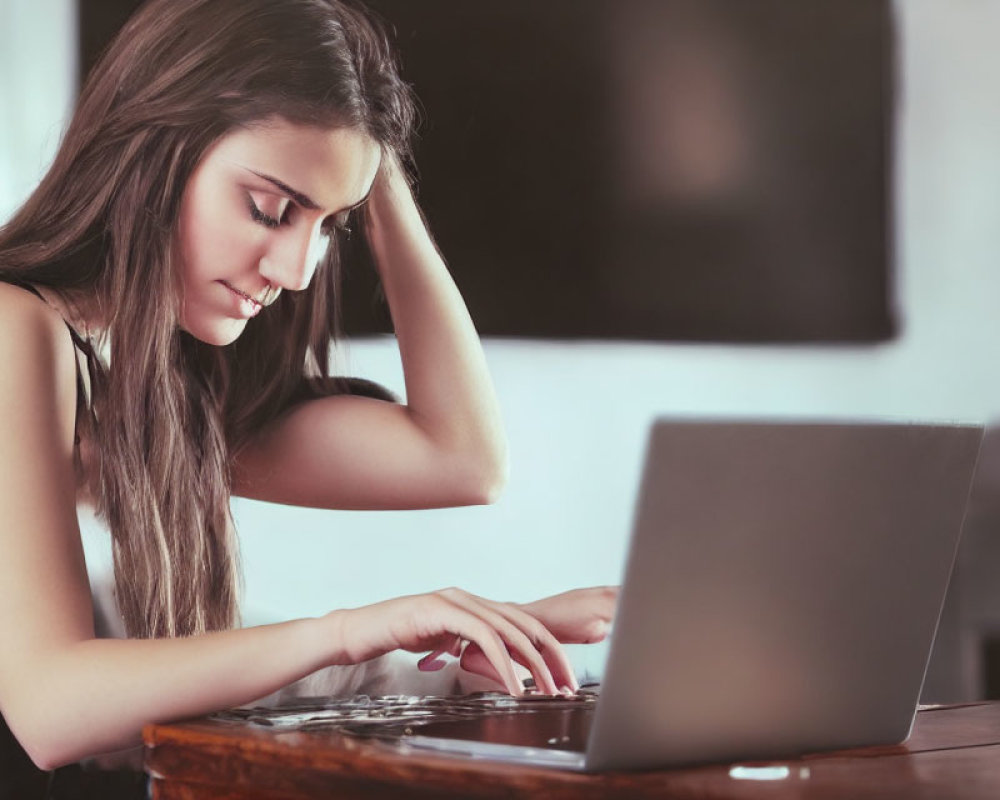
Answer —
669 170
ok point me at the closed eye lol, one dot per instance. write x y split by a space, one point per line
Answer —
279 218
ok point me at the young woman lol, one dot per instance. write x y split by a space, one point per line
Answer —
188 229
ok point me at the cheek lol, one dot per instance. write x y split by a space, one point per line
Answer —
212 239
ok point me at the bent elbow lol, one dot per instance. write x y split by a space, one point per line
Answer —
43 751
47 739
492 493
46 762
486 493
486 480
53 743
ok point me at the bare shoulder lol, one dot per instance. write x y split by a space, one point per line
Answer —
44 593
37 360
20 307
19 301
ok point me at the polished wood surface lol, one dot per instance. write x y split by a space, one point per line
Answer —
954 753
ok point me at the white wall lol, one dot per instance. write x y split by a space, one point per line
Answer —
37 89
577 413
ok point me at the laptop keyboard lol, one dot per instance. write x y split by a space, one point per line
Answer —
396 715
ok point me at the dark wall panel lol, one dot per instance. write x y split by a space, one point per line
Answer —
692 170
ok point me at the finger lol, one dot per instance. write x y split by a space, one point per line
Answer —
432 662
464 626
495 650
544 641
577 616
519 646
515 639
474 660
597 631
443 625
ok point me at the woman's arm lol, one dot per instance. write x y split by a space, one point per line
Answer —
445 447
73 696
67 695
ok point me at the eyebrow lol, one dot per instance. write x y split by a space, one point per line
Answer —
303 199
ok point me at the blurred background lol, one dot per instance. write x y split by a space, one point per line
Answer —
654 207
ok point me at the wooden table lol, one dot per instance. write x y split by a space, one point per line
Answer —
954 753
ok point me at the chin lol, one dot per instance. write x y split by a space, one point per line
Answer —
218 333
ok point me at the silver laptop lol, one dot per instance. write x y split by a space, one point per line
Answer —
781 593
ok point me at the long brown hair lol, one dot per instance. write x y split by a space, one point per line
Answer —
170 411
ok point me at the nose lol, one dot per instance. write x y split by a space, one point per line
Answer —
293 256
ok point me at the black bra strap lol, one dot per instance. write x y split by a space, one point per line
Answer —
78 340
81 344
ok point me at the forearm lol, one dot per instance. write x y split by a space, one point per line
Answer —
449 391
95 696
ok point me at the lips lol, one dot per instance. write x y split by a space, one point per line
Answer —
240 292
249 304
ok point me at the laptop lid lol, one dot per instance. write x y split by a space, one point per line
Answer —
781 593
782 589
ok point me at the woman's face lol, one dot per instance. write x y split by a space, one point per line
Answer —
257 216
